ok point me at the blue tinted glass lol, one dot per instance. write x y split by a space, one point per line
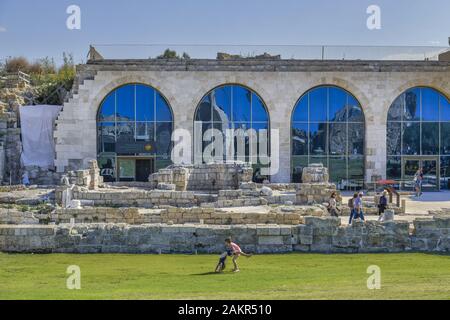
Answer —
318 104
298 163
318 138
125 103
301 109
430 105
445 108
145 131
445 138
241 104
221 102
204 110
355 113
259 113
412 105
162 109
300 139
163 138
430 138
445 173
355 168
411 138
394 168
355 139
337 105
107 137
394 138
145 103
396 109
338 169
338 138
107 109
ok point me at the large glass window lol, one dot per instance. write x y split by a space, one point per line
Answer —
240 109
134 121
418 127
328 128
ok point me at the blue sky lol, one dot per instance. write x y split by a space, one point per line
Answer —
38 28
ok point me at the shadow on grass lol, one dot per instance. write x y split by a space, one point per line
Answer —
212 273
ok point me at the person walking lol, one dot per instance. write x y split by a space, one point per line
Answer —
358 205
382 205
332 205
417 183
351 205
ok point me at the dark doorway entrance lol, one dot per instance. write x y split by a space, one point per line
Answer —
144 167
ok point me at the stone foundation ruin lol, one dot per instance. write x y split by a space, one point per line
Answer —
186 209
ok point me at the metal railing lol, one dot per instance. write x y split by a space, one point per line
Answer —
306 52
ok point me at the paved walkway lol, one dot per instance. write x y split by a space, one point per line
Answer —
415 207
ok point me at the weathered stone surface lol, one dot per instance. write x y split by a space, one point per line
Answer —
317 235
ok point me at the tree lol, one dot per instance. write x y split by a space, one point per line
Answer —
168 54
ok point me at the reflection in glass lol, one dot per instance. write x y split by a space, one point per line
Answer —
337 108
338 138
430 105
394 168
298 163
300 139
318 100
445 138
328 126
234 107
445 172
125 103
418 125
318 138
396 110
430 138
133 120
145 98
356 138
338 170
108 108
394 138
412 105
411 138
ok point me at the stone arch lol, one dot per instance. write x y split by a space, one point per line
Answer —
101 94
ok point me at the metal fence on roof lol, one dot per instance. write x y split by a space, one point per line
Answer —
307 52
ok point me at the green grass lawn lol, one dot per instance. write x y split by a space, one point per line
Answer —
290 276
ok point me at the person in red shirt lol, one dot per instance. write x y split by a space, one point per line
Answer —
236 252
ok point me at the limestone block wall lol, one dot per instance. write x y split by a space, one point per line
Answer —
316 235
137 198
376 84
215 176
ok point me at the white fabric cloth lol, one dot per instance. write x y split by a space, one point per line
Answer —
37 123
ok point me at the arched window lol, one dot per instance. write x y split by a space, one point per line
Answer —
134 126
328 128
233 107
418 136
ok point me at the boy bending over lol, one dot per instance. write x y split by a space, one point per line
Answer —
235 251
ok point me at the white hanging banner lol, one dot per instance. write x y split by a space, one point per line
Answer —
37 124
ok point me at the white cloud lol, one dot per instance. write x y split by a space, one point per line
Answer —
2 29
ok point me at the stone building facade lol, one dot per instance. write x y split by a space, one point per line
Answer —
279 83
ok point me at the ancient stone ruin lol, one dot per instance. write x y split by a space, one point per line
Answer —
192 208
